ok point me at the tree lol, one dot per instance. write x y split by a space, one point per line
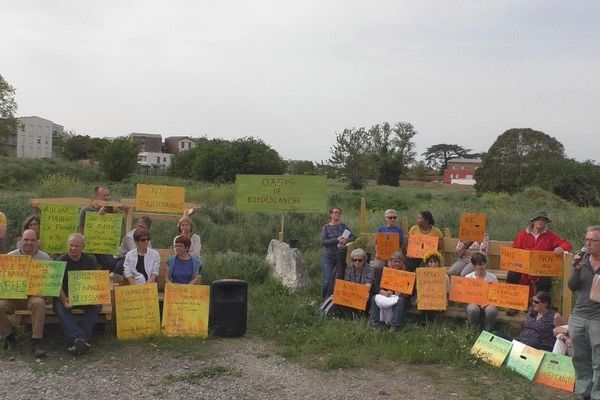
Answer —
301 167
392 151
438 155
351 154
119 158
515 159
8 107
79 147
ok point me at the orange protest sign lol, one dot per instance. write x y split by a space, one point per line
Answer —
418 245
386 244
350 294
398 280
545 263
468 291
516 260
472 227
431 289
508 296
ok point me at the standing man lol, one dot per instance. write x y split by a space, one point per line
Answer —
584 324
36 304
78 334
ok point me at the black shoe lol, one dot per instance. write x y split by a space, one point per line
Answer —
38 350
10 342
79 346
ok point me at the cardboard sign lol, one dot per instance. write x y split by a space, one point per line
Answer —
185 310
160 199
524 360
431 289
508 295
491 348
137 311
419 245
398 280
45 277
14 276
472 227
280 193
386 244
545 263
89 287
468 291
57 222
102 232
350 294
556 370
516 260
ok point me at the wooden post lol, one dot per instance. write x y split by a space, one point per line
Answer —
281 231
363 216
566 304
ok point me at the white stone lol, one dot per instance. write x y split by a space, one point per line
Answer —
287 265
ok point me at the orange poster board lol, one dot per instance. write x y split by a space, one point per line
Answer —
545 263
468 291
508 295
386 244
419 245
350 294
398 280
472 227
516 260
431 289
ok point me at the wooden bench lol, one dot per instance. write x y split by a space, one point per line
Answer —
455 310
23 317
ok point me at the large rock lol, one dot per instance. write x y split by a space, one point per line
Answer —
287 265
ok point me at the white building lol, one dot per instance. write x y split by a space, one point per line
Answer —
155 160
34 138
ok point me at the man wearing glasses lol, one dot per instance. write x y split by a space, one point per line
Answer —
390 227
584 324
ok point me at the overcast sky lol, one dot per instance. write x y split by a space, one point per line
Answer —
296 73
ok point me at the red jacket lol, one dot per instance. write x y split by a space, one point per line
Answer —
547 241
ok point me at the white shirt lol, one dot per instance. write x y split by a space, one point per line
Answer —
151 265
489 277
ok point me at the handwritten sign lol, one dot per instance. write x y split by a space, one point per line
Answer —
14 276
185 310
524 360
57 222
160 199
491 348
45 277
545 263
102 232
398 280
516 260
556 371
280 193
468 291
431 289
89 287
350 294
472 227
386 244
137 311
508 295
419 245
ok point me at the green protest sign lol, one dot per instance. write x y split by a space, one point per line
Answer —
280 193
57 222
524 360
556 371
89 287
14 276
45 277
102 232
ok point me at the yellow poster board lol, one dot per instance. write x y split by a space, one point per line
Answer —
491 348
102 232
160 199
397 280
516 260
185 310
137 311
472 227
45 277
350 294
507 295
89 287
431 289
418 245
14 276
57 222
468 291
386 244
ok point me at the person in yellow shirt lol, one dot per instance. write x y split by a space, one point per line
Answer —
424 226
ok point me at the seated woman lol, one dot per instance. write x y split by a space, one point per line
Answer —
387 306
185 226
540 323
358 272
431 259
183 268
481 316
464 251
141 264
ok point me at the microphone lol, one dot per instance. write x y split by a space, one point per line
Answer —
579 256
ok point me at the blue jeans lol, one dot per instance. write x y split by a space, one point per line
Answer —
397 312
69 324
585 335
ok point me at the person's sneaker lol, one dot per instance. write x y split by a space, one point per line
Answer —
10 342
81 346
38 350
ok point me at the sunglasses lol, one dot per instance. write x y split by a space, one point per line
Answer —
391 217
536 301
357 260
143 240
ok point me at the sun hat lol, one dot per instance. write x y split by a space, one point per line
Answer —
540 214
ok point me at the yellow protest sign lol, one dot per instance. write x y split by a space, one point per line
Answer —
89 287
45 277
468 291
102 232
160 199
472 227
491 348
137 311
386 244
545 263
508 295
185 310
57 222
398 280
431 289
14 276
418 245
350 294
516 260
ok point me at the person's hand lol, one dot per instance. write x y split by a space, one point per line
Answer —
568 341
386 293
559 251
342 240
102 210
66 304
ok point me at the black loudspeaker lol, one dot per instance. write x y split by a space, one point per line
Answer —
228 307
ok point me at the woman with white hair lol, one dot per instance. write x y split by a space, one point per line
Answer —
360 270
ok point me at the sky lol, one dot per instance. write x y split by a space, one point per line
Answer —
295 73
